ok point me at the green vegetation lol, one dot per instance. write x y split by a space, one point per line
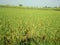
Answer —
29 26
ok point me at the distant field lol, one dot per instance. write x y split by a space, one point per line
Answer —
22 26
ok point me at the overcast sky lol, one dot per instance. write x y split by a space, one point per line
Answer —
34 3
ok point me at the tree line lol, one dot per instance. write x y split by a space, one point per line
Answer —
20 5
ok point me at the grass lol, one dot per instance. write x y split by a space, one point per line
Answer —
22 26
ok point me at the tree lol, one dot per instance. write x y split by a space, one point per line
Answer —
20 5
45 7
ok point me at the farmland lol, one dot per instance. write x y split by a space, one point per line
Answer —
23 26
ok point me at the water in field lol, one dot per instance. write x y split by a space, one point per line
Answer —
19 26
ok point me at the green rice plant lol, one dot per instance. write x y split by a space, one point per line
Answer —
22 26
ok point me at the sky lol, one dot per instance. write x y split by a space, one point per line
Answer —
33 3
